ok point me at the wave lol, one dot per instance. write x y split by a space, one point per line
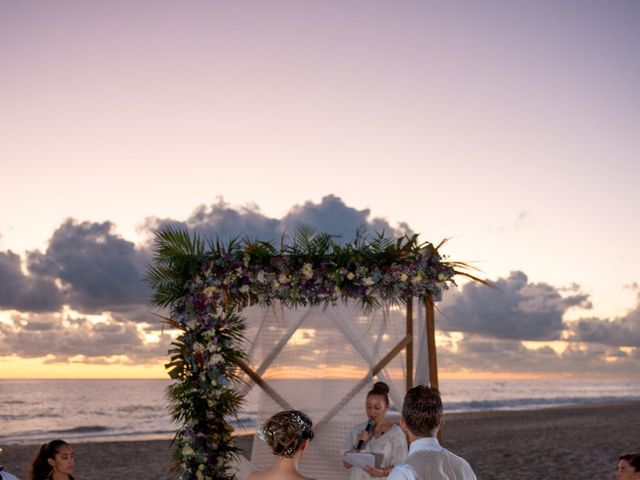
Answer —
96 433
23 416
88 429
137 408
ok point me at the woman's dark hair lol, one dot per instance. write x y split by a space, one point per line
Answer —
285 432
40 469
381 389
633 459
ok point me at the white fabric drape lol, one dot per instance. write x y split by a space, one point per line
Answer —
313 357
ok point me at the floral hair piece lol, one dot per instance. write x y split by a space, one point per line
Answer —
261 432
268 432
304 423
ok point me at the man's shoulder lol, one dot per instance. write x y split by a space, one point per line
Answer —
440 459
453 456
402 471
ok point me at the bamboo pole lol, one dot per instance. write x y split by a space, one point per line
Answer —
431 346
409 351
431 340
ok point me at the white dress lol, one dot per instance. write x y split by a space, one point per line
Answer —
392 445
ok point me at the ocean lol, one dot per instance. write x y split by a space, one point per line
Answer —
35 411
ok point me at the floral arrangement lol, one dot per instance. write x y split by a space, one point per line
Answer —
206 289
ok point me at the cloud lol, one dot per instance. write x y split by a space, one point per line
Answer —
29 293
485 354
515 309
622 331
99 270
522 220
88 267
331 215
64 336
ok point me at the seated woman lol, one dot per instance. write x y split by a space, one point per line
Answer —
288 434
54 461
628 467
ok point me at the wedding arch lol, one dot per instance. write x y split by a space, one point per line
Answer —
206 289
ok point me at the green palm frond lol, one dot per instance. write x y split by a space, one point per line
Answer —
177 258
177 242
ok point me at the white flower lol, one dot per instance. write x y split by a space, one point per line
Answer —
307 271
209 291
441 276
417 278
368 281
275 284
260 277
187 451
244 289
283 278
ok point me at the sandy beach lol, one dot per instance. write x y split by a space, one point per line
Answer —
573 442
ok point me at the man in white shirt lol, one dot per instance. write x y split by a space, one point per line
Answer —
427 460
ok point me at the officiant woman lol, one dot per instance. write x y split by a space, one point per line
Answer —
376 435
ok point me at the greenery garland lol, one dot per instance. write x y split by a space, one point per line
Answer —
206 289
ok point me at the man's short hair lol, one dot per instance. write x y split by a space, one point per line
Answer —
422 410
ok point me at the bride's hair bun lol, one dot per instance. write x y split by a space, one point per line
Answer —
285 432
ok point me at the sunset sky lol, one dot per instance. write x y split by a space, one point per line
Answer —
511 128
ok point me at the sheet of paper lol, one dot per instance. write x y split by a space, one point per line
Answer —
359 459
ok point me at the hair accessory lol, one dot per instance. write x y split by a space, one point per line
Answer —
271 432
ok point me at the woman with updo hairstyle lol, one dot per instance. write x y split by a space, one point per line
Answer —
377 435
288 435
54 461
